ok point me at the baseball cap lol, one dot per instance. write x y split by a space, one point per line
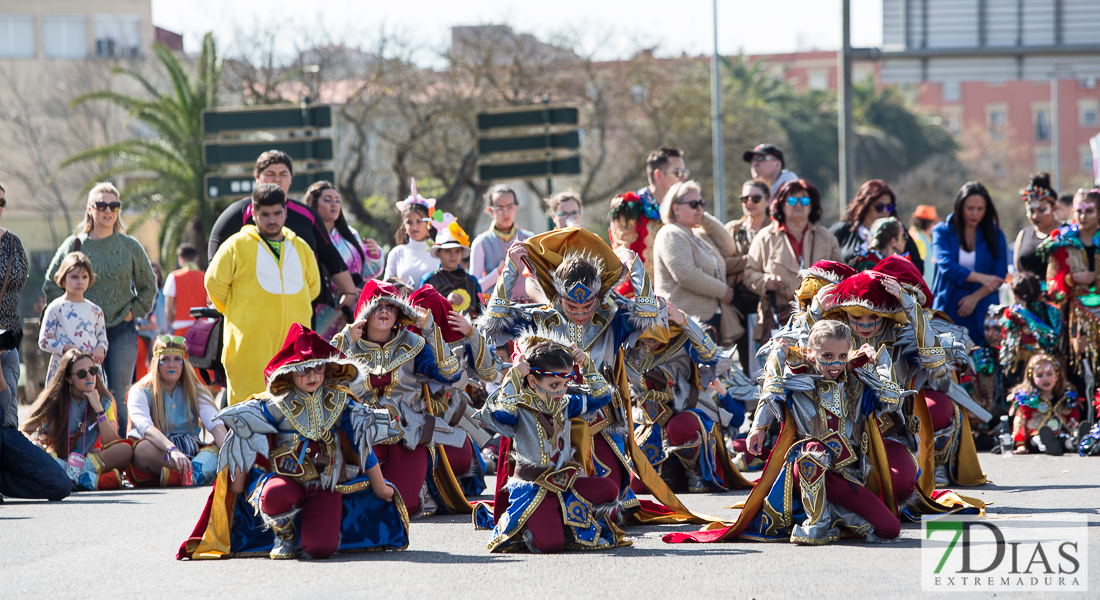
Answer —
768 149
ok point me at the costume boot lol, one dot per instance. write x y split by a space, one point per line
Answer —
286 542
428 507
1051 444
688 455
812 467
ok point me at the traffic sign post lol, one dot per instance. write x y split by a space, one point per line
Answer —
528 142
231 142
220 186
244 153
264 118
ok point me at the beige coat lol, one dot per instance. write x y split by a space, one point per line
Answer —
690 267
771 253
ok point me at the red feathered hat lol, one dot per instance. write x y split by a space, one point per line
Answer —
820 274
428 297
908 276
304 349
829 270
376 292
863 294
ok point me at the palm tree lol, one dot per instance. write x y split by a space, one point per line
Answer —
166 170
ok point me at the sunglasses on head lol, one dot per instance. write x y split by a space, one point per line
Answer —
694 204
113 206
754 198
84 373
803 200
887 207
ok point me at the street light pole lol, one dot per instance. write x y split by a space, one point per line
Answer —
718 149
1055 156
846 154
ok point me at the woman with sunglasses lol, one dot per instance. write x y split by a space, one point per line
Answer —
792 242
690 256
170 409
1039 202
74 419
125 286
874 200
754 203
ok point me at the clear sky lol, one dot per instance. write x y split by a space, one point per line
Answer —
614 27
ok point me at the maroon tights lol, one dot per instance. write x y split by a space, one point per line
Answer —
320 514
857 499
405 469
545 524
940 407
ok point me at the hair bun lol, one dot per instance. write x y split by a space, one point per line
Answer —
1041 180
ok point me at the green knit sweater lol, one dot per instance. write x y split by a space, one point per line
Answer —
124 278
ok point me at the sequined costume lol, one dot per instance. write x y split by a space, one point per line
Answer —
396 376
611 330
547 489
304 456
1033 413
674 416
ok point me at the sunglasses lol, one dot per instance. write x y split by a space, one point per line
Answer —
318 370
84 373
794 200
887 208
754 198
694 204
172 339
679 173
565 215
3 202
113 206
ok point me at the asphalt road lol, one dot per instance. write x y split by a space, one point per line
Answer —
122 544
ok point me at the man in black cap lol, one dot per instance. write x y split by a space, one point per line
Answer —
766 162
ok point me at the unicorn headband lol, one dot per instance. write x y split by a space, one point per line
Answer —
415 199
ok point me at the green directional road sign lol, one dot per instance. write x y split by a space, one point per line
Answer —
559 166
244 153
527 117
266 118
570 141
220 186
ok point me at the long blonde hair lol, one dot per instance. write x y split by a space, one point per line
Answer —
88 224
192 388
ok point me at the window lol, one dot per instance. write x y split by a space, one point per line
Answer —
1087 113
1042 158
952 91
117 35
952 122
1041 119
65 36
996 117
16 36
1084 158
818 79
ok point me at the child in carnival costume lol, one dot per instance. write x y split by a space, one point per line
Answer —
169 410
828 475
674 415
1046 406
578 272
398 364
946 446
479 362
551 504
300 456
820 274
633 228
1029 327
1071 265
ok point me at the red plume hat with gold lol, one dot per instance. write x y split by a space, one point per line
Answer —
863 294
902 269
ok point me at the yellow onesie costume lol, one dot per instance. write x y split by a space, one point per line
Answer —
261 296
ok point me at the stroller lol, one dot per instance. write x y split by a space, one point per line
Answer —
204 347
